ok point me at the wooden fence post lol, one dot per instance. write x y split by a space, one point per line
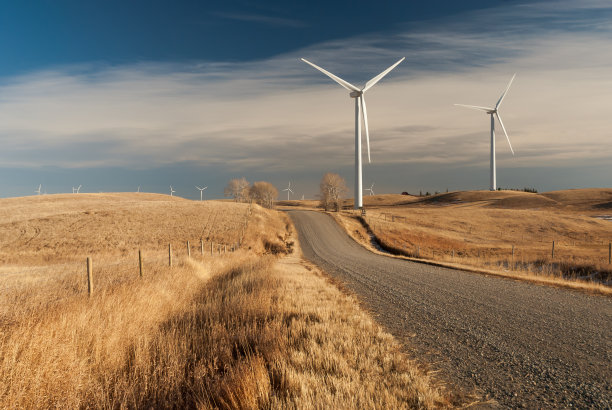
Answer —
418 251
201 246
512 256
89 276
212 244
453 254
140 262
552 254
188 250
170 254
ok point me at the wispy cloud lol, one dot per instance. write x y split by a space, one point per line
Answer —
262 19
280 114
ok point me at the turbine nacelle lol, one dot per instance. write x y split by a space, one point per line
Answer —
356 94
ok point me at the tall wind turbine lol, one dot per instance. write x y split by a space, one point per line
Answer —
360 105
39 188
201 190
288 189
494 112
171 190
77 189
371 189
138 190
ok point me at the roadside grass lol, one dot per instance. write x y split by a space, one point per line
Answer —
424 237
238 330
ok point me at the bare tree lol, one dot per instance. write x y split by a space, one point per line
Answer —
237 188
264 193
332 190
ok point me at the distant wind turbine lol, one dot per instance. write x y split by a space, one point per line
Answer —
288 189
360 105
494 112
302 197
201 190
371 189
138 190
171 190
39 188
77 189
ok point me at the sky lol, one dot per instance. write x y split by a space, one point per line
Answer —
119 94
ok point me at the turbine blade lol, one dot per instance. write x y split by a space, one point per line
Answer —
504 93
379 77
337 79
475 107
365 121
504 128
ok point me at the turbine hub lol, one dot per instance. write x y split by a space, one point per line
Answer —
356 94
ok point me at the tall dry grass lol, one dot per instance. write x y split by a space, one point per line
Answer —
251 335
231 331
483 238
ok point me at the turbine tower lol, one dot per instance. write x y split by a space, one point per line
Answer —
39 188
360 105
371 189
288 189
494 112
171 190
201 190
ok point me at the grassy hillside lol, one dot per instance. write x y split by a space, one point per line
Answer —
480 228
231 330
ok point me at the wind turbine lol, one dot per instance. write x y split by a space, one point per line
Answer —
138 190
39 188
201 190
171 190
371 189
494 112
77 189
360 105
288 189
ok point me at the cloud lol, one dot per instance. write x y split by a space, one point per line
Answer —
281 115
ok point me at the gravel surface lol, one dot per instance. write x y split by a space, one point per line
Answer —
520 344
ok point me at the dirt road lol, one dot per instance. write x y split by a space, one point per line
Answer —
517 343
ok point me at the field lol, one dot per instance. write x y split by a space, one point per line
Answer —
481 228
238 327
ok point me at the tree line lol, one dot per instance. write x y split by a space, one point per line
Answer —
261 192
332 191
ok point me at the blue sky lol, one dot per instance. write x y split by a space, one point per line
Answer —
116 94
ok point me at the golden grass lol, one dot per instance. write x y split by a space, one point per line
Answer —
230 331
59 228
478 231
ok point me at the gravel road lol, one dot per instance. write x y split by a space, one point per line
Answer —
520 344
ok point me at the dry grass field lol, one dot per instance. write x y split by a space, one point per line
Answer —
480 228
240 329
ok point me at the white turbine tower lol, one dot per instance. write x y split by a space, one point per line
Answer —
171 190
39 188
201 190
138 190
360 105
371 189
288 189
494 112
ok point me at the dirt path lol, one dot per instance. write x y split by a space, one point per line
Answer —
517 343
